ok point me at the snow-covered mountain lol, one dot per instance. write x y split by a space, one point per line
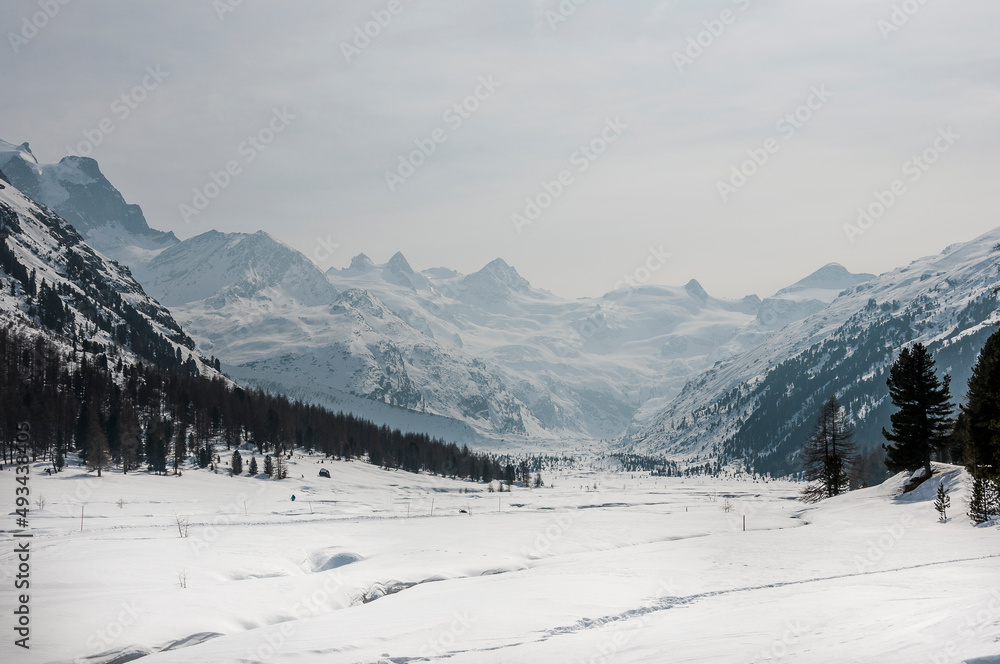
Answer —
52 283
435 350
761 404
484 350
277 321
234 268
76 190
807 296
585 367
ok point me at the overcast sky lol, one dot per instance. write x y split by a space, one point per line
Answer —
684 116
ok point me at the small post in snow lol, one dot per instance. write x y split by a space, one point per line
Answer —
81 518
432 507
744 523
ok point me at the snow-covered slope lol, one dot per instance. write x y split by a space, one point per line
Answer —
53 283
589 366
77 191
277 321
234 268
807 296
374 566
760 404
485 349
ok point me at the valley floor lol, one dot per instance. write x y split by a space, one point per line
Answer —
357 569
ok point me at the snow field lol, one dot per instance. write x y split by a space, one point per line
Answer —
640 570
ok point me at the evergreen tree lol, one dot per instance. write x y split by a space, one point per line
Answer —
131 441
180 447
829 454
156 447
280 467
981 506
98 454
982 415
268 465
922 422
942 503
237 464
253 467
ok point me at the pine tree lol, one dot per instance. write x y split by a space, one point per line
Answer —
980 505
942 503
280 469
268 466
180 447
253 467
237 463
982 415
131 441
829 454
922 423
98 453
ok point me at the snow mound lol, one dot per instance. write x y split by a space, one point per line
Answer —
954 478
323 561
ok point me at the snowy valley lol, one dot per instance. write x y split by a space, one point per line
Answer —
374 566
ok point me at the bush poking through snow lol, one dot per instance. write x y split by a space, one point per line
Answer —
182 524
942 503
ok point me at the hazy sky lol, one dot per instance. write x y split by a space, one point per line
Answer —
884 85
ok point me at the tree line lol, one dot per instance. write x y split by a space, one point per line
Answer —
135 416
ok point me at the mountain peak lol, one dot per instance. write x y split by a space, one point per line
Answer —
398 263
503 271
495 282
696 290
361 263
21 150
76 190
831 277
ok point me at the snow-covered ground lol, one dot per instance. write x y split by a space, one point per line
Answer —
358 569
